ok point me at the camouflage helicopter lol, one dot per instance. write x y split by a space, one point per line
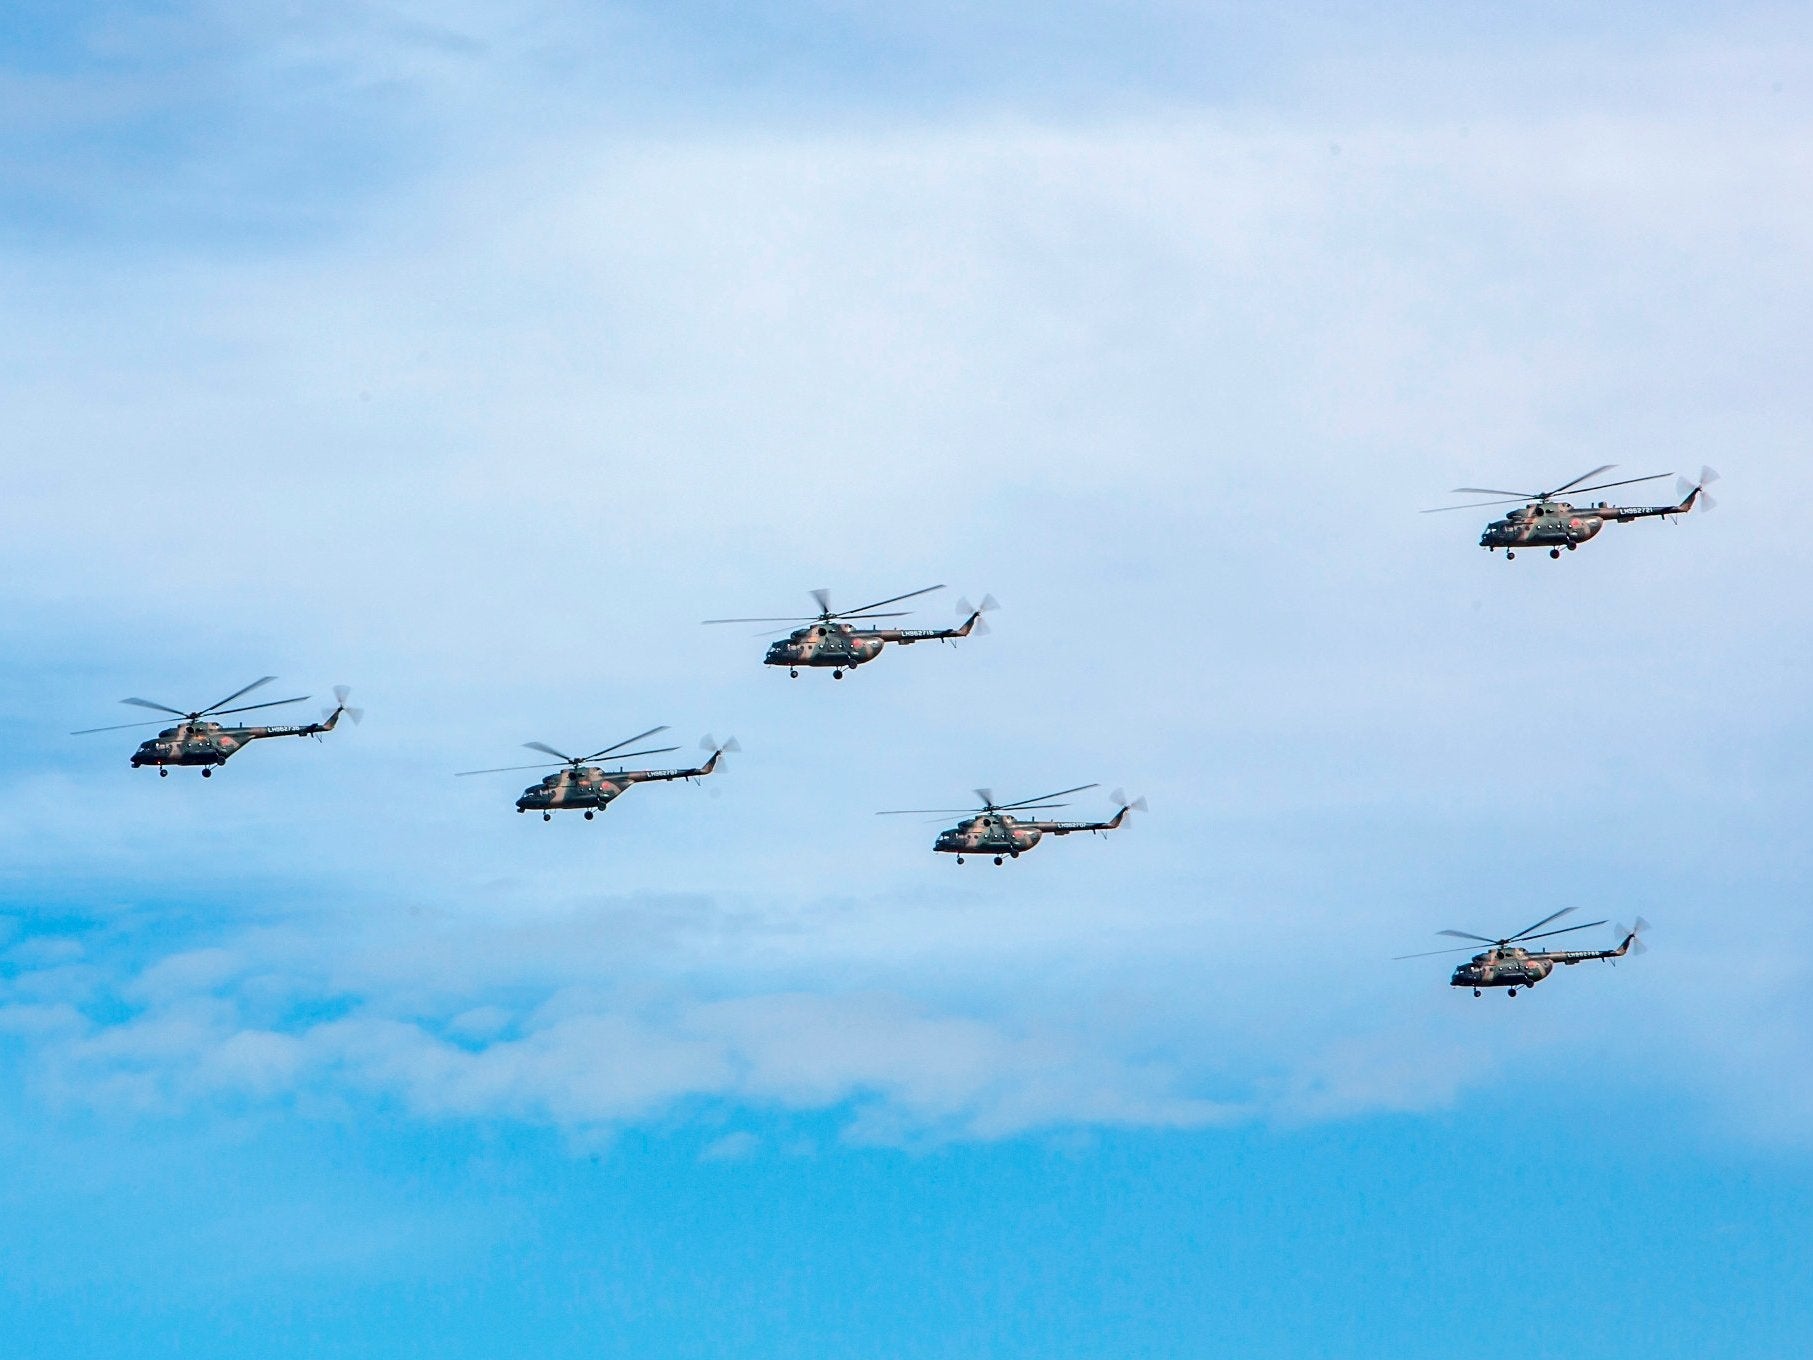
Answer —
582 785
1506 963
832 638
1545 522
198 741
995 829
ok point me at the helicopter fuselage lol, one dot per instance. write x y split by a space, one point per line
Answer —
833 645
208 744
588 787
1503 968
992 833
1558 524
1547 524
999 833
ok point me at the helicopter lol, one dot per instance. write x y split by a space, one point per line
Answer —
196 740
1545 522
832 638
582 785
1506 963
995 829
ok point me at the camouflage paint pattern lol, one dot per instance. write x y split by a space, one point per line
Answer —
843 646
1513 967
1557 524
1002 834
209 743
590 789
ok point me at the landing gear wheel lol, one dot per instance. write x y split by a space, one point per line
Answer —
1509 555
1572 546
793 674
162 773
959 859
1511 992
1477 992
547 816
207 774
997 859
1556 552
837 675
1013 854
588 814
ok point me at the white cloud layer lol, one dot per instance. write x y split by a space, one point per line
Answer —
1171 384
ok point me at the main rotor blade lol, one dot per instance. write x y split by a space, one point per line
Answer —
824 601
546 749
651 751
1575 481
925 812
1499 491
858 618
1466 935
275 703
1431 953
807 618
1628 481
499 769
1473 505
892 599
121 727
1043 798
627 741
265 680
1564 930
146 703
1552 916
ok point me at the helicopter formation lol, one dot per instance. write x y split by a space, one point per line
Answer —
841 640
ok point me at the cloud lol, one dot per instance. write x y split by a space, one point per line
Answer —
1170 383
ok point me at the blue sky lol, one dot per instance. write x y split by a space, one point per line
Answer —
471 353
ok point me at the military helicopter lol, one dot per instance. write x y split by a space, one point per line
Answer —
1506 963
995 829
831 638
197 741
1545 522
580 784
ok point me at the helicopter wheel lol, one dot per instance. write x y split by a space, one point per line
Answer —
162 773
837 675
547 816
1477 992
793 674
997 859
207 774
1572 546
1509 555
1013 854
588 814
959 859
1511 992
1556 552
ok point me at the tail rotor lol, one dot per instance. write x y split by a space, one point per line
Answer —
967 610
340 694
1685 488
1126 804
1635 936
